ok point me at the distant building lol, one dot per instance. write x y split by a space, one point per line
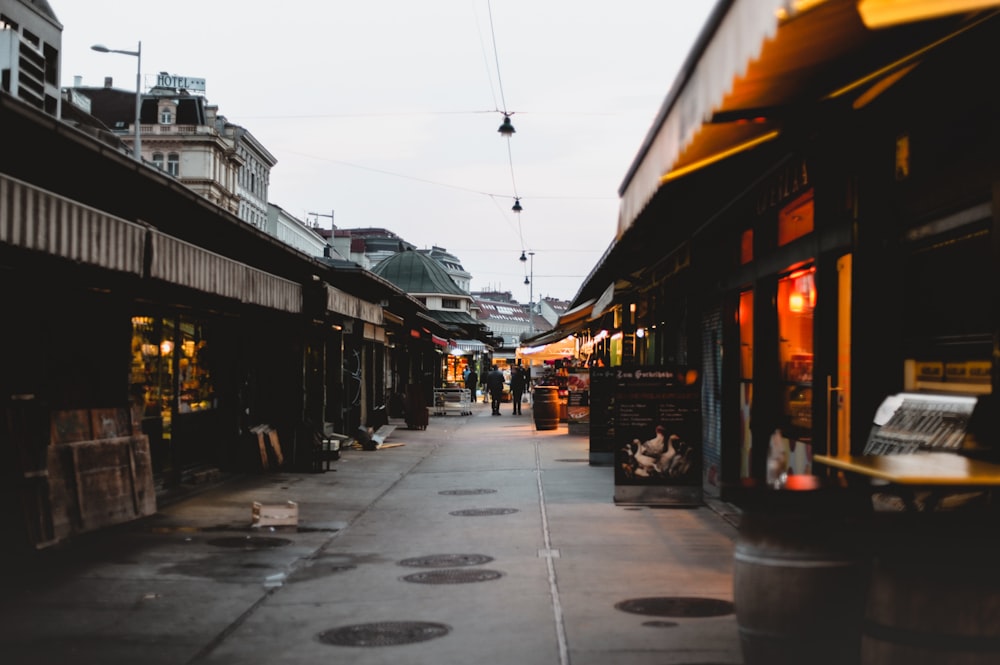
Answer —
367 246
293 232
30 42
551 309
452 264
426 280
254 175
179 135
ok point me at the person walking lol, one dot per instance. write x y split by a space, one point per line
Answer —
518 382
494 384
471 383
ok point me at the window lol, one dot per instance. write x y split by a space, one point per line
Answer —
166 116
450 303
746 247
158 160
173 164
796 219
745 314
796 303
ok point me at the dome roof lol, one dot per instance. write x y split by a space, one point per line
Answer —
417 273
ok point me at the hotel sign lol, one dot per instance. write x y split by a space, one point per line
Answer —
189 83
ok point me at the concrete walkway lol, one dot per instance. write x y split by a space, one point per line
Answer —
520 555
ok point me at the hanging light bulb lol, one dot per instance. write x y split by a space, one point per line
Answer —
517 206
506 128
523 257
527 281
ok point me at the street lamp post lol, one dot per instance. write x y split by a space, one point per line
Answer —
530 281
101 48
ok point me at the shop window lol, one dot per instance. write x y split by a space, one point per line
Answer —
796 303
795 219
194 380
745 314
152 377
169 358
746 247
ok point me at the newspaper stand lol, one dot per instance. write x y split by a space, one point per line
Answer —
452 400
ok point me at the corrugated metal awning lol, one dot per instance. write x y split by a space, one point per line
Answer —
343 303
179 262
35 219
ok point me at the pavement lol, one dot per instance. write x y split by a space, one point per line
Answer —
478 540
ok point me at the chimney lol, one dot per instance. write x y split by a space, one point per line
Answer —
77 81
107 81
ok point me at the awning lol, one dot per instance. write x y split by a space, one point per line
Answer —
758 65
41 221
473 345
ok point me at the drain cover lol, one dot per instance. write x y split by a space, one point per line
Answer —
446 560
574 460
250 542
476 512
676 606
383 633
453 576
467 492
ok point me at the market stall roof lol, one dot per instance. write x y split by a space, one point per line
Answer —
761 68
757 62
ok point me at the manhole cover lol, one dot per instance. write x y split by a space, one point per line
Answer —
476 512
249 542
473 492
676 607
453 576
445 560
383 633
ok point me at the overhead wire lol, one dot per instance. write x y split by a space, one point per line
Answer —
506 115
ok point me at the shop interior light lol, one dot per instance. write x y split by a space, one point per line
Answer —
887 13
166 347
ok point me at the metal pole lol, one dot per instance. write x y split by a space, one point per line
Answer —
531 294
137 143
137 148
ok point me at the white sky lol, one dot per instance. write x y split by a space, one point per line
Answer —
386 111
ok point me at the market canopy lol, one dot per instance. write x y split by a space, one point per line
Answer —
757 70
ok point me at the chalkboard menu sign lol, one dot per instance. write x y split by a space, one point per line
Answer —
602 415
655 431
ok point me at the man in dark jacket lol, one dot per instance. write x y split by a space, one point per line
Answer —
494 384
472 383
518 382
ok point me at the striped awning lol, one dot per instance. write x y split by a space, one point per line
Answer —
473 345
38 220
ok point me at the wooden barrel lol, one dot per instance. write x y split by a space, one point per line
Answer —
935 595
799 586
545 407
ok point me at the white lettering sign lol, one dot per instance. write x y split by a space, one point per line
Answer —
164 80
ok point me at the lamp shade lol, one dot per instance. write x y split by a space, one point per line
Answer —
506 128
